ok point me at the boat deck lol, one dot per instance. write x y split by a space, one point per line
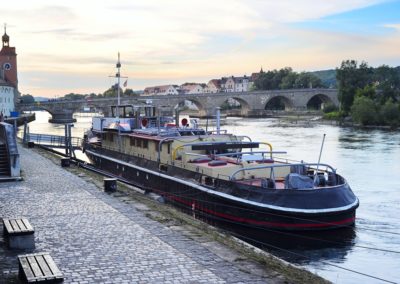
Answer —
279 183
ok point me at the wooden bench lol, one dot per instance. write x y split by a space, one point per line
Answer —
39 268
20 233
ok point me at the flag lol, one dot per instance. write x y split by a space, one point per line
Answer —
126 83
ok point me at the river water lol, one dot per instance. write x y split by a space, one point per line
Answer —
368 159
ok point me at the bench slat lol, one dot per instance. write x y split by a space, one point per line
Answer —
28 226
53 267
7 226
14 225
21 225
34 266
43 265
26 268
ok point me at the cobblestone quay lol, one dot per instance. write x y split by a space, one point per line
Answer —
96 238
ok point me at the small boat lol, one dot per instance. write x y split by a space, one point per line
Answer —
218 175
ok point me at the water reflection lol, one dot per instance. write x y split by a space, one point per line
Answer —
300 247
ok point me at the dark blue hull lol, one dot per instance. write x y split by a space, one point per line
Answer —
233 203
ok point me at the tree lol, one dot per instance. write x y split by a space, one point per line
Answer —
113 91
390 113
387 80
27 99
307 80
73 96
288 81
368 91
265 81
364 111
351 77
129 92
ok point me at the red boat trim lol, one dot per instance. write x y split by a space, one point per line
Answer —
265 223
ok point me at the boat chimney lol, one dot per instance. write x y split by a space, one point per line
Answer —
218 119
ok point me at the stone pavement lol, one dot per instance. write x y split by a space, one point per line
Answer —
96 238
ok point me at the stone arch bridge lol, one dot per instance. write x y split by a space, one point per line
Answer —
257 103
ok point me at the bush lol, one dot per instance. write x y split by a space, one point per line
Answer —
330 108
333 115
364 111
390 113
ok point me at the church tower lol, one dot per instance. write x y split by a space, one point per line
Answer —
8 61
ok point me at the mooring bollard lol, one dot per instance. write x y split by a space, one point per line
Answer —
110 184
65 162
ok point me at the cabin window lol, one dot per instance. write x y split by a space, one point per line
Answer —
111 137
132 141
138 142
145 144
169 149
156 146
104 136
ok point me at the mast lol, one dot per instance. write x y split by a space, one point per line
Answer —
118 76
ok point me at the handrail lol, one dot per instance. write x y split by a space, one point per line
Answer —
159 148
175 150
250 153
232 176
233 143
255 152
54 140
270 147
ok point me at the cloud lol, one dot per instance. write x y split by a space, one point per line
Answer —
392 26
180 39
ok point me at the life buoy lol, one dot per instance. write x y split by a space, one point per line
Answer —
184 121
144 122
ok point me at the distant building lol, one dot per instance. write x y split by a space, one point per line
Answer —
225 84
235 84
213 86
192 88
239 84
161 90
8 76
228 84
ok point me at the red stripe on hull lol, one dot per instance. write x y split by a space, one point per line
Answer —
320 225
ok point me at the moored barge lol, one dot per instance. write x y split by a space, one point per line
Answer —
218 175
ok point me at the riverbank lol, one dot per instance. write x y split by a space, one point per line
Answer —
125 237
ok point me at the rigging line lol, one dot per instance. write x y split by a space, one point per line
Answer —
288 217
323 261
292 234
375 230
300 236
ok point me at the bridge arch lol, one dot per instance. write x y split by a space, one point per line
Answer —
235 105
279 103
58 115
318 102
191 104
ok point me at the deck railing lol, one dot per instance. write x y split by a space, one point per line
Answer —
53 141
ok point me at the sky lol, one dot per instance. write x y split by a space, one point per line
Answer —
71 46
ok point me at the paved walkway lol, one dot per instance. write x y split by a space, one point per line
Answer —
96 238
